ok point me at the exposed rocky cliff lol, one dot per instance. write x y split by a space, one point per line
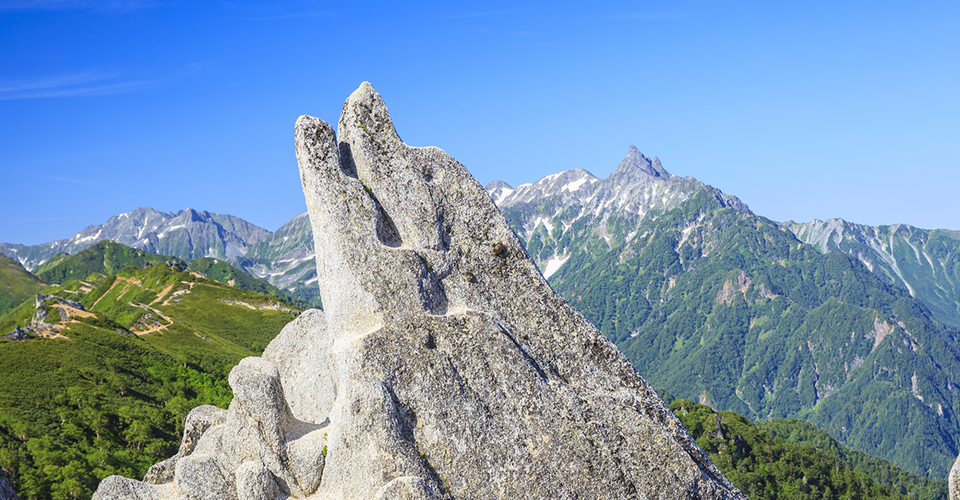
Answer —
442 367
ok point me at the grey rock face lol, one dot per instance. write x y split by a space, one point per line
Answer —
953 481
443 366
197 423
255 449
6 489
53 299
19 333
635 165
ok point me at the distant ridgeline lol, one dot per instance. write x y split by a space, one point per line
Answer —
724 307
108 257
925 262
100 369
285 259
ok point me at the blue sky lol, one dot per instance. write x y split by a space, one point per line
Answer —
802 109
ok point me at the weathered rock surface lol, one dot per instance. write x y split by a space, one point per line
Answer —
953 481
443 366
19 333
6 489
53 299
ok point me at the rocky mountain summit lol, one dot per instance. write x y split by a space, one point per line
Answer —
442 367
574 212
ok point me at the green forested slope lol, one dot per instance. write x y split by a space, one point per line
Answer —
721 306
105 257
225 273
927 262
108 257
796 461
804 433
110 398
16 284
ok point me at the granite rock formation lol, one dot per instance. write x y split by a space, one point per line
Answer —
953 481
443 365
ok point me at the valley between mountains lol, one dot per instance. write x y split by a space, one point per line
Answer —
851 328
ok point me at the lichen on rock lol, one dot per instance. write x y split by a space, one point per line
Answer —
443 366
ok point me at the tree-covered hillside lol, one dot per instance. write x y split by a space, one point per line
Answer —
113 366
795 461
16 284
108 257
105 257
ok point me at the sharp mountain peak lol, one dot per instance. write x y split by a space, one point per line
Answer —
635 163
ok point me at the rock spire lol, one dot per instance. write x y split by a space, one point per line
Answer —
443 366
635 163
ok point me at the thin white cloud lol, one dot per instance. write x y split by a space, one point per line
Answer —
296 15
198 67
39 219
97 5
70 85
487 13
53 82
654 16
73 181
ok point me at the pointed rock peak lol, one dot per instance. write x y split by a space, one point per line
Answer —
365 110
659 168
499 191
634 154
635 162
497 185
141 212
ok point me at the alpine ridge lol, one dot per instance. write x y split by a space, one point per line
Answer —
284 259
925 262
442 367
188 234
575 214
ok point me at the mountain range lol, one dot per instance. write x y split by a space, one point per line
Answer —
925 262
843 325
283 258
